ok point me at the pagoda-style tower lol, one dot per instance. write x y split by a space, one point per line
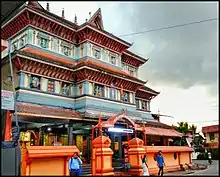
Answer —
68 74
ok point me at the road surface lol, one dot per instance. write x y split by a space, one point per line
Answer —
212 170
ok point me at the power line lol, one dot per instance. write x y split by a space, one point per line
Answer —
204 121
172 26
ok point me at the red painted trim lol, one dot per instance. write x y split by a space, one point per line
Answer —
28 16
51 30
24 19
55 29
36 22
42 23
46 24
33 20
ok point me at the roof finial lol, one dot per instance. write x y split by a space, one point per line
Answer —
63 13
86 19
75 20
90 14
48 6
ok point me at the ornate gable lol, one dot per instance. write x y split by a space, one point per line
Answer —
96 20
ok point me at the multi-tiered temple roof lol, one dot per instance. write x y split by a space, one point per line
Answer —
34 15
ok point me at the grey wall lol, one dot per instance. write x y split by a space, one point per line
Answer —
10 161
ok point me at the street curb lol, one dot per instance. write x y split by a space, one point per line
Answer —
179 174
191 172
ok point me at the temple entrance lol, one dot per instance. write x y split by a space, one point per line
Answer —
119 129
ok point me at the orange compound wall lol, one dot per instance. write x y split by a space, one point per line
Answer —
137 150
46 160
43 166
183 156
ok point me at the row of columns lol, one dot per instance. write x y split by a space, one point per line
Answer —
69 132
7 130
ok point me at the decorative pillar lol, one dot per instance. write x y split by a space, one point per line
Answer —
58 46
135 154
102 157
87 51
113 140
140 104
86 87
134 98
8 127
21 76
105 91
88 148
34 37
30 36
70 134
41 136
28 80
74 140
120 146
119 60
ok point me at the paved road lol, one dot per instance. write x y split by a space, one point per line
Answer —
212 170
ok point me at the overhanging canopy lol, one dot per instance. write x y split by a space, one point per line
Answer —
162 132
32 110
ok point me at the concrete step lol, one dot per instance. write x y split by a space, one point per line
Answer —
86 169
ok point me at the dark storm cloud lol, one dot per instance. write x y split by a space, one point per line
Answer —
181 57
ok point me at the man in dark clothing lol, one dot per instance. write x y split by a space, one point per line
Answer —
160 163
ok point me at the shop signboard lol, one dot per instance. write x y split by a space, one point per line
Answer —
7 100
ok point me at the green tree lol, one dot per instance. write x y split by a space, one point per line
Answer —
183 127
193 128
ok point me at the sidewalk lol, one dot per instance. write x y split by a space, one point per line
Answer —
179 173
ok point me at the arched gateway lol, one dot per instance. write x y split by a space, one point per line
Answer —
106 134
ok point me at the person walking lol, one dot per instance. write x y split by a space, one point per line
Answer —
160 163
74 165
210 157
145 166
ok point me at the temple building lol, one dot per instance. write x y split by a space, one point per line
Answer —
68 75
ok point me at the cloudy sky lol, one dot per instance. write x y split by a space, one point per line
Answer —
183 62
